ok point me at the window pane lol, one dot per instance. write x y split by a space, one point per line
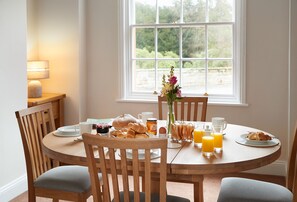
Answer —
169 11
220 77
197 37
220 43
164 69
194 10
220 10
143 76
193 77
145 43
193 42
168 42
145 11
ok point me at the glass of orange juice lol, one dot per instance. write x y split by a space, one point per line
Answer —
208 145
198 134
217 133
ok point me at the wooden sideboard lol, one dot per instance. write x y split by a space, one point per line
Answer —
57 100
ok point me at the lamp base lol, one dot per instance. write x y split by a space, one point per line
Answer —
34 89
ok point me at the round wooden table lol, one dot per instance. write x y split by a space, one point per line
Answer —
187 162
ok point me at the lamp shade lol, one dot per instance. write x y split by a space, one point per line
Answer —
38 69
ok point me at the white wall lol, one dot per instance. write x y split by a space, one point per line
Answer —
13 88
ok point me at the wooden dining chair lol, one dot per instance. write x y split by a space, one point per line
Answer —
115 159
186 109
237 189
44 180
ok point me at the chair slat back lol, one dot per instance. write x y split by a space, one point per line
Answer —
34 123
292 169
186 109
119 164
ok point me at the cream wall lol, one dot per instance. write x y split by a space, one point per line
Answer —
266 68
13 91
84 66
293 65
61 40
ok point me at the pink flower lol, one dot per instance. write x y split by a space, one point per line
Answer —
172 80
178 93
170 87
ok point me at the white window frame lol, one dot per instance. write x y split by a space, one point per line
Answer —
125 75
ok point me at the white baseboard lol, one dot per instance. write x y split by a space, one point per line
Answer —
276 168
13 189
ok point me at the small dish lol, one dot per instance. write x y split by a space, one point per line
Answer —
256 143
155 153
67 131
245 136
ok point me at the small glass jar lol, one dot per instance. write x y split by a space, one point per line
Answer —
151 125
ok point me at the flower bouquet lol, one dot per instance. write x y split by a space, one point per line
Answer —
172 92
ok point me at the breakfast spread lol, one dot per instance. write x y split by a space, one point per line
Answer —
132 130
259 136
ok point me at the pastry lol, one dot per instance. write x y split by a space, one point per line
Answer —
123 121
138 127
260 136
131 133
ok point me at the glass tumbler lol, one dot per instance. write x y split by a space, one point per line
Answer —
217 133
207 145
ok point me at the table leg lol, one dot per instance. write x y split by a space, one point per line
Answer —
196 180
198 189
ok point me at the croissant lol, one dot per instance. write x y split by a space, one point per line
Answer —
130 133
260 136
138 127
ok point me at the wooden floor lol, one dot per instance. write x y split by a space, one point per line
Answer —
211 187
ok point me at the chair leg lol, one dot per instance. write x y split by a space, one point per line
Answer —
55 200
31 196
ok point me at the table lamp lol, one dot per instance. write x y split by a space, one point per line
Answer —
37 69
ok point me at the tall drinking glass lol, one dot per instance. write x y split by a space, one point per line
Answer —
217 133
197 135
208 145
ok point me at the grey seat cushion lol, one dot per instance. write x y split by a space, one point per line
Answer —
234 189
154 198
66 178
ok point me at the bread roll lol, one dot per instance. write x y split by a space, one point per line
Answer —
123 121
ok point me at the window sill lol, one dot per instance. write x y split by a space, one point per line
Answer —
209 103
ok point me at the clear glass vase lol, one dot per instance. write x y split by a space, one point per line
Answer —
170 118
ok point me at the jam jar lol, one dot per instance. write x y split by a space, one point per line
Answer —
151 125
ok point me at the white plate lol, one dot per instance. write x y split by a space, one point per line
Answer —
255 143
155 153
67 131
